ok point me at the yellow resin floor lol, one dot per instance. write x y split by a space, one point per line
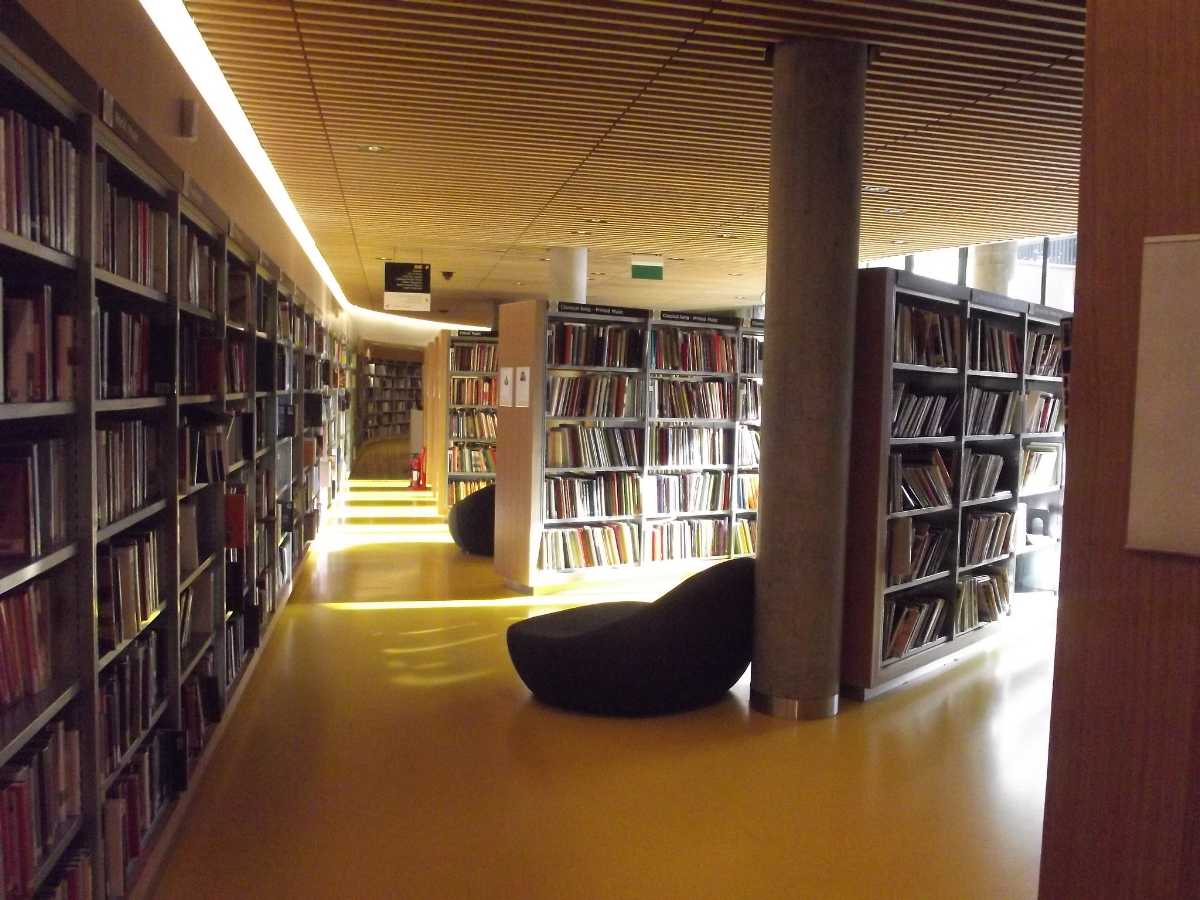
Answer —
384 748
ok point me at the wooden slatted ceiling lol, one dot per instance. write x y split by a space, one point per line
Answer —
639 126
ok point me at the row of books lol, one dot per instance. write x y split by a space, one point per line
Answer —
131 690
991 412
926 338
472 390
240 295
911 623
921 415
610 544
199 706
132 354
40 798
1045 354
988 535
752 355
39 183
918 482
460 489
991 348
477 424
981 474
675 398
981 598
1041 466
747 492
33 519
678 445
916 550
133 804
575 344
584 496
688 539
237 380
198 263
473 357
26 664
201 361
749 448
593 447
692 349
750 400
690 492
1043 413
127 468
235 648
127 581
392 368
745 537
134 236
574 394
38 353
201 453
471 459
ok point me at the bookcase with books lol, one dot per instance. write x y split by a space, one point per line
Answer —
639 444
139 401
391 391
470 414
957 443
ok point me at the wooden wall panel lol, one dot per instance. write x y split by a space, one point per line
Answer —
1123 792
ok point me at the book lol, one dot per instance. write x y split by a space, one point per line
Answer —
40 169
911 623
28 321
611 544
981 474
688 539
926 338
993 348
33 520
26 659
987 536
128 588
594 344
692 349
981 598
676 445
127 468
918 481
606 494
676 398
189 537
922 415
689 492
473 357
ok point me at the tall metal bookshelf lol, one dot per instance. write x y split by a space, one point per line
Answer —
470 414
526 477
248 550
867 666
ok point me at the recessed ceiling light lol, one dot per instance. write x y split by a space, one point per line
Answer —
598 221
725 234
675 258
579 231
899 242
735 274
520 284
384 258
875 189
372 148
893 210
543 259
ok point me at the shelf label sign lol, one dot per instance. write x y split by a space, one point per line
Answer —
406 287
646 267
595 309
697 318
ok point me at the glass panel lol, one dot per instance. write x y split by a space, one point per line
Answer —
1060 275
940 264
884 262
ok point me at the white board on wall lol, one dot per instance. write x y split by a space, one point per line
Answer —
1164 484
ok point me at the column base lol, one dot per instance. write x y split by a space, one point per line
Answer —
794 710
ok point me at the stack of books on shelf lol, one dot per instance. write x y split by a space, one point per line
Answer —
688 539
198 705
472 460
479 357
33 520
235 648
991 412
40 803
919 482
692 492
749 448
752 355
460 488
127 468
478 424
981 598
201 362
39 354
1041 466
134 235
911 623
610 544
1045 355
40 170
592 447
613 346
674 445
926 338
745 537
917 550
747 492
472 390
201 452
591 496
239 295
131 697
127 581
571 394
1042 413
127 342
133 804
236 378
199 266
981 474
987 536
679 399
750 400
692 349
25 634
993 349
917 415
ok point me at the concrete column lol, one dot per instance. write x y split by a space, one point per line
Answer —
812 272
994 267
568 274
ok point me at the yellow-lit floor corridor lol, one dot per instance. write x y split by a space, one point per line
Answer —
384 748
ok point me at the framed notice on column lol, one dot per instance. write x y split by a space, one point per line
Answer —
406 287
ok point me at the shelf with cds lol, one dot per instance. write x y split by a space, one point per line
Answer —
132 325
639 445
944 407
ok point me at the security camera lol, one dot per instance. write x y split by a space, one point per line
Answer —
447 275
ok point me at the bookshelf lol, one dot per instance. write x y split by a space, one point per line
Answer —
957 446
470 436
162 426
391 390
639 445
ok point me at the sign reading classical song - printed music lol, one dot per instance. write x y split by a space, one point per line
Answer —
406 286
592 309
698 318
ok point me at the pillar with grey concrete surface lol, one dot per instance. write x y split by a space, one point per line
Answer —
994 266
568 274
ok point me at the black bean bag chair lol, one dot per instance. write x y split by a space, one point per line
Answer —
684 651
472 522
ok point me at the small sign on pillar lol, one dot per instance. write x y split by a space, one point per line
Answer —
406 287
647 267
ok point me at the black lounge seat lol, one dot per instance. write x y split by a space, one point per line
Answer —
684 651
472 522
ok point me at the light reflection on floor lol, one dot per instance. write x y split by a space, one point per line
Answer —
385 748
